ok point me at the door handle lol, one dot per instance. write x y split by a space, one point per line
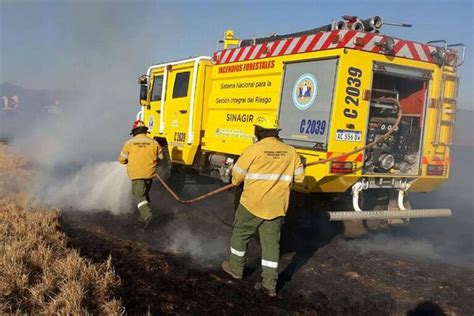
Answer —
158 111
183 111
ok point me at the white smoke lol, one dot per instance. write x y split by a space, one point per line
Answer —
72 149
447 239
401 246
100 186
202 249
200 235
72 152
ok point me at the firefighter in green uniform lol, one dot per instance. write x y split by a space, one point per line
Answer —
141 154
267 169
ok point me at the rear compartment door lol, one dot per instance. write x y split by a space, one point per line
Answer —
306 102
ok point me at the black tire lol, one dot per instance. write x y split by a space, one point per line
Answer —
171 173
177 178
164 165
370 200
376 200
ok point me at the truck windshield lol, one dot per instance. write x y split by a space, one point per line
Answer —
157 85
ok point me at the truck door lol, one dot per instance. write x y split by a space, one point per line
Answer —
177 109
306 102
153 115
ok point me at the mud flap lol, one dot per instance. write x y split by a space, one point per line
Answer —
354 228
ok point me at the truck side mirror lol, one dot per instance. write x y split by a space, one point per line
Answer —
143 81
143 94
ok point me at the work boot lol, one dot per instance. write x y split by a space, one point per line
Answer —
269 292
228 269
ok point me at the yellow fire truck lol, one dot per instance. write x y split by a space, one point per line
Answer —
326 86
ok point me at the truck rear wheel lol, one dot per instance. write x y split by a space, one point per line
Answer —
376 200
164 165
370 200
171 173
354 229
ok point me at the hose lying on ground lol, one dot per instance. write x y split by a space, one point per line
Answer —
199 198
318 162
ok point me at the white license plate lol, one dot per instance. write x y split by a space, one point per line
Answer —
348 136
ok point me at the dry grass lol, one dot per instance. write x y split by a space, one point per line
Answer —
15 172
10 162
39 273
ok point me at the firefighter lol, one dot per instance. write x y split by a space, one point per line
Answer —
267 169
141 154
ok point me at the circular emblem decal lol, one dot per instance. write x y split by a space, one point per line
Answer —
305 91
151 123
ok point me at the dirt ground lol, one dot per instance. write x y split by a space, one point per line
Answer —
173 267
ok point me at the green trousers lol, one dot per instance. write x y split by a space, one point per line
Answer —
245 225
141 188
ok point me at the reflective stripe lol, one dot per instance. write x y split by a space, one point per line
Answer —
123 154
141 139
239 170
299 171
268 176
270 264
142 203
145 138
236 252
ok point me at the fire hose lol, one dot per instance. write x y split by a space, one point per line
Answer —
380 139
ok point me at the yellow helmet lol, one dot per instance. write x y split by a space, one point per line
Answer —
267 121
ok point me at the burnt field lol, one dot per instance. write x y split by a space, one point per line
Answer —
318 275
425 268
327 279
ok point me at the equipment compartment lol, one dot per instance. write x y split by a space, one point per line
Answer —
400 153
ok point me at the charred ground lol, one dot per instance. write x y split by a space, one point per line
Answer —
321 272
173 267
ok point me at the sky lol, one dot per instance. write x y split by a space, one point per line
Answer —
64 44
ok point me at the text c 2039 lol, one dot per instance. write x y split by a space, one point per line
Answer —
313 127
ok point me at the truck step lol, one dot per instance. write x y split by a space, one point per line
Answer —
449 99
450 77
447 122
442 144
